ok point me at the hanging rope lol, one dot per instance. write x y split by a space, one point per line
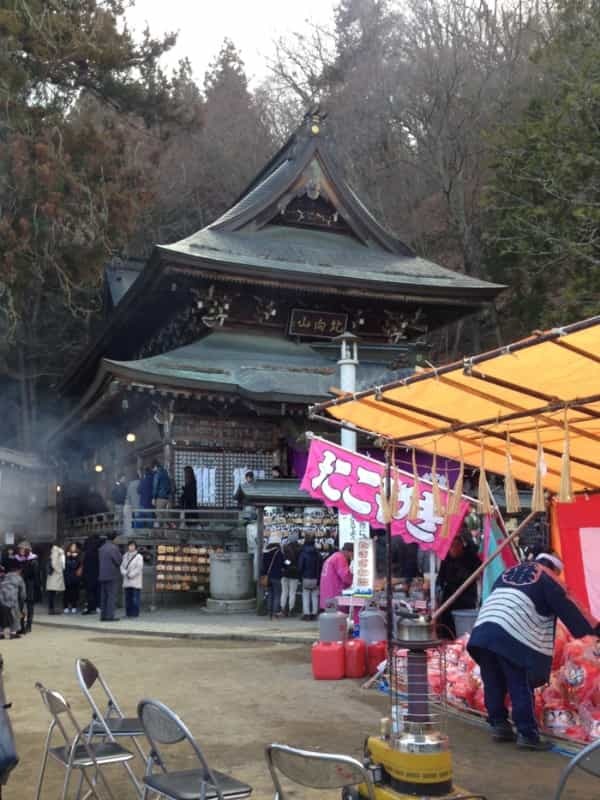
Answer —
511 494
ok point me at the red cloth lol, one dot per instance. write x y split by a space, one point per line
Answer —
579 527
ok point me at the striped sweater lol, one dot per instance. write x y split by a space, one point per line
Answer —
518 619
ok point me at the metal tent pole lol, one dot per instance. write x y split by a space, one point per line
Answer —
472 578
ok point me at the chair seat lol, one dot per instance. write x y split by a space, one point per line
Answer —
129 726
187 785
105 753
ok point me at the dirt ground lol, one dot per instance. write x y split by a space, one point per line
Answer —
237 697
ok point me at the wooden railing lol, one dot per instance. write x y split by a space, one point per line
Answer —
152 522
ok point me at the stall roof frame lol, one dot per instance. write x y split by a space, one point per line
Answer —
526 390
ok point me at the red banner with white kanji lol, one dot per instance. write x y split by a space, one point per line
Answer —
352 483
579 531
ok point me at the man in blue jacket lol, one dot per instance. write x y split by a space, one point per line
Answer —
513 642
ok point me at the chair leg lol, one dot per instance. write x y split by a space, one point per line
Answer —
79 785
66 783
563 780
133 777
105 784
138 747
38 793
92 790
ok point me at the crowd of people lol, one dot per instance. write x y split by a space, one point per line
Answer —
81 580
288 565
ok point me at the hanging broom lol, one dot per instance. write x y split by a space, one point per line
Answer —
511 494
389 503
565 494
395 487
413 512
483 489
446 524
538 503
455 501
438 506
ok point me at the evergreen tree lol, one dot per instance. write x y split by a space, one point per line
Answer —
237 140
543 204
76 93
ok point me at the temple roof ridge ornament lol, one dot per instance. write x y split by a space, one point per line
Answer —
304 166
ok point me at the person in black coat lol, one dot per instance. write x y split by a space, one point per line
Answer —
460 563
91 567
289 575
310 564
189 495
73 573
272 567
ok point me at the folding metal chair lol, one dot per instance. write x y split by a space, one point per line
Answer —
587 760
111 724
76 753
317 771
163 727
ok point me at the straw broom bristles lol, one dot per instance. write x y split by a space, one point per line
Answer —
483 489
565 493
455 500
538 502
511 494
389 504
413 512
438 507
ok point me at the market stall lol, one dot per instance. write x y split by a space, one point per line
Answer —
529 411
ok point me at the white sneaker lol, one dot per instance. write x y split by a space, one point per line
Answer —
66 611
73 611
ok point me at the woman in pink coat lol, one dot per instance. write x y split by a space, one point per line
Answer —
336 575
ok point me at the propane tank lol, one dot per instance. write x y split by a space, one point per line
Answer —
333 625
372 624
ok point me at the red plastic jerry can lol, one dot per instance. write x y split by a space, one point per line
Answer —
328 661
376 653
355 652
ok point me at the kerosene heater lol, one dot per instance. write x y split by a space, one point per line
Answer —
411 755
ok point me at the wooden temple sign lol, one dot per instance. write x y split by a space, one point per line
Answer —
317 324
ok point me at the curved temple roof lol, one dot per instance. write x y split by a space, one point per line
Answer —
365 255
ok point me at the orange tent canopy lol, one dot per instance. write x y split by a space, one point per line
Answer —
528 389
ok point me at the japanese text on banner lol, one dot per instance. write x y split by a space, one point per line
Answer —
353 484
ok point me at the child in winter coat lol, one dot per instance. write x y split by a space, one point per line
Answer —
12 596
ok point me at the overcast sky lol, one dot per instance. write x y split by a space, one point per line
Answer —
253 25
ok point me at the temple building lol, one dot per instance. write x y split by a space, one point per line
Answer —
212 351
